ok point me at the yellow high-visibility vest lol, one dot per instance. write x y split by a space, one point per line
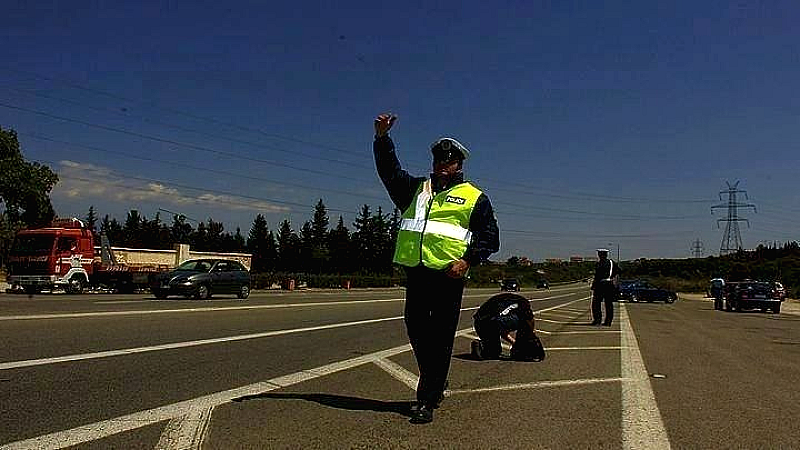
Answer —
434 230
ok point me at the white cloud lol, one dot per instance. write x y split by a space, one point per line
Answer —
85 181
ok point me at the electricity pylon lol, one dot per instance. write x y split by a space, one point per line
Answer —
697 248
732 239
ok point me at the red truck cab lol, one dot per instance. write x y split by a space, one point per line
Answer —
59 256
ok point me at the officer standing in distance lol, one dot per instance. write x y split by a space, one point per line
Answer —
604 286
447 226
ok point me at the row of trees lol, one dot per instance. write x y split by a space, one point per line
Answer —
24 191
315 248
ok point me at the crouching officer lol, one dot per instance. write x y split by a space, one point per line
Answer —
497 319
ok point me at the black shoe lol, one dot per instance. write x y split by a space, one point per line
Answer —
476 349
423 414
441 396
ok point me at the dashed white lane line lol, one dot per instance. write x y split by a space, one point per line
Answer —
642 426
187 432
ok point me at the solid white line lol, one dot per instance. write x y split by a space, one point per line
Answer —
578 332
642 426
556 321
192 310
187 432
130 351
221 308
99 430
399 372
537 385
185 344
105 428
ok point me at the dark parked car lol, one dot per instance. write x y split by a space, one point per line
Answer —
751 294
200 278
509 284
642 291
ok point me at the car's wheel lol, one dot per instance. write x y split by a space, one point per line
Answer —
31 290
203 292
160 294
669 299
244 292
75 285
634 298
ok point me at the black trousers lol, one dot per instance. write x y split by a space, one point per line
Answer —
604 292
488 331
433 305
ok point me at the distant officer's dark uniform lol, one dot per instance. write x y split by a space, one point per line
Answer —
605 290
497 317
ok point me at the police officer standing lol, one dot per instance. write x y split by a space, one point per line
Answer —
604 286
447 226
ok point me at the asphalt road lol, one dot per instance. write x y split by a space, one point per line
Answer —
332 369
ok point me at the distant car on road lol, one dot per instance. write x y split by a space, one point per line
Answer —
643 291
509 284
751 294
200 278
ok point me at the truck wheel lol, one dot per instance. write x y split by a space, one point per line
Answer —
203 293
31 290
75 285
244 292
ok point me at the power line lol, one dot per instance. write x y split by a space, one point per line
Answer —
172 142
539 190
202 169
191 130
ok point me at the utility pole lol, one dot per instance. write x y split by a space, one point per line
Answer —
732 239
697 248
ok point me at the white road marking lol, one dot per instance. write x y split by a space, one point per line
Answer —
192 310
642 426
556 321
185 344
221 308
186 432
99 430
399 372
130 351
577 332
537 385
105 428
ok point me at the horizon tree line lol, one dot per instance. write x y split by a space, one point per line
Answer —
314 248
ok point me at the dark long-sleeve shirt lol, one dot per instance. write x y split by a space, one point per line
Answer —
402 187
604 270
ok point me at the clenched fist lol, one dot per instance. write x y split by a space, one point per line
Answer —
383 123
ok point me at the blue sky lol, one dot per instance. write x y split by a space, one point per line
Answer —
591 124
